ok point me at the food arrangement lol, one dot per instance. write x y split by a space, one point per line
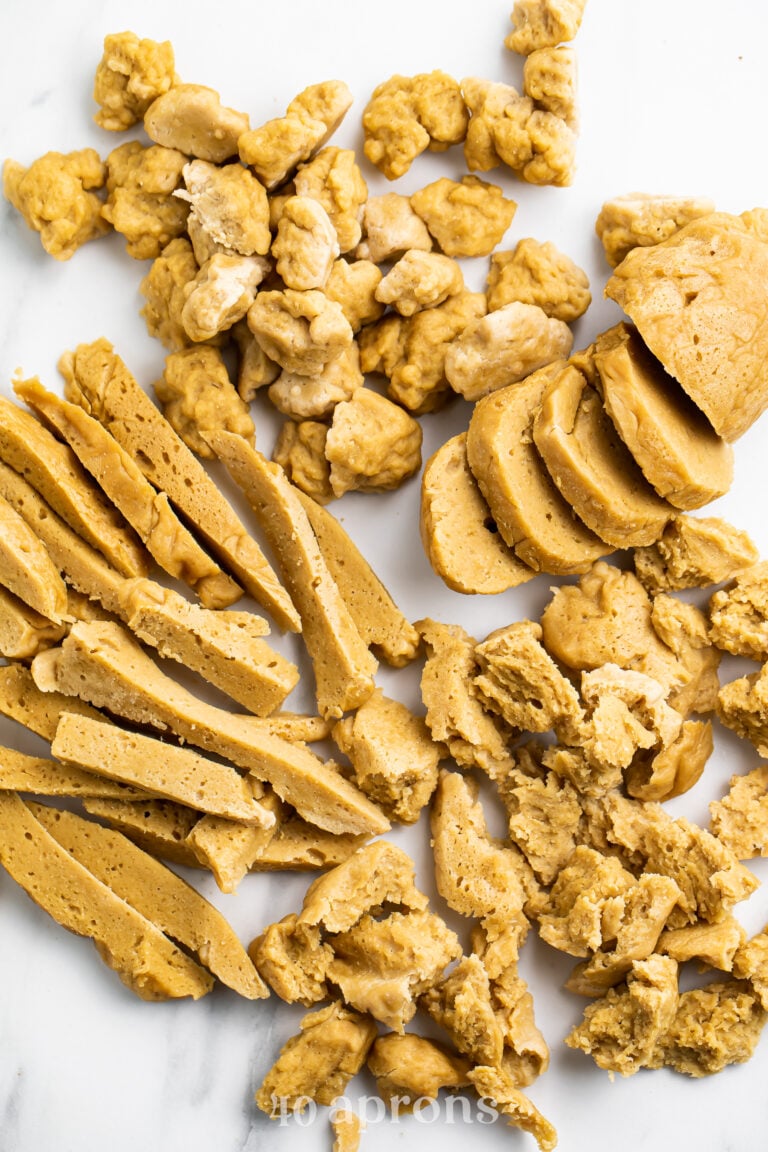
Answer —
614 668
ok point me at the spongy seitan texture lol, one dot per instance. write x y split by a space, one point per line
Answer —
26 569
40 777
694 552
23 701
679 294
458 532
23 631
98 380
411 1067
154 968
343 666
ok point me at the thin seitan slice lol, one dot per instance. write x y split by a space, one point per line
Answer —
344 668
531 515
157 893
54 471
41 777
144 959
676 447
102 663
21 700
146 510
168 772
98 380
23 631
383 627
26 569
223 647
458 532
591 466
160 827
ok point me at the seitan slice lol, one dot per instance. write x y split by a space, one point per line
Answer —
146 510
168 772
157 893
98 380
530 514
102 662
160 827
698 300
676 447
23 631
591 466
458 532
22 700
383 627
54 471
144 959
344 668
41 777
26 569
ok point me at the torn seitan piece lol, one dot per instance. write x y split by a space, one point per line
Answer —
160 827
147 511
54 471
158 894
347 1128
739 614
455 715
742 705
694 552
457 530
293 961
41 777
144 959
102 662
461 1004
225 648
318 1063
740 819
713 945
750 962
383 966
383 627
26 569
675 769
79 607
713 1027
519 680
344 668
167 771
497 1087
475 874
623 1030
525 1054
100 383
408 1068
23 701
393 755
376 875
710 878
23 631
228 847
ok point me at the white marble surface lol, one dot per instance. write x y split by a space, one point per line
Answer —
673 94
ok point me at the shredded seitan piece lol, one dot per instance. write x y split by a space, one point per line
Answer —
408 1067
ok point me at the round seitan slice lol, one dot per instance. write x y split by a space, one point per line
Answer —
591 466
700 303
531 515
458 532
676 447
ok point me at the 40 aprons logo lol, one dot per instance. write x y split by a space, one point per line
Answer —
303 1110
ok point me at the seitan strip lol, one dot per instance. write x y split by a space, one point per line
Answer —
41 777
26 569
227 848
23 631
101 662
157 893
344 668
160 827
168 772
98 380
146 510
22 700
54 471
144 959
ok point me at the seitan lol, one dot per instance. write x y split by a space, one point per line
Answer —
23 631
26 569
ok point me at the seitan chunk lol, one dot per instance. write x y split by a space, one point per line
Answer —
229 848
293 961
144 959
26 569
461 1003
693 553
591 466
713 1027
543 812
497 1087
145 509
408 1068
529 512
102 662
641 220
23 631
672 771
342 664
674 444
98 380
715 945
457 529
740 819
739 614
742 705
750 962
54 471
157 893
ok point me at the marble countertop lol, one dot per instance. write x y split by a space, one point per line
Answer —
672 100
